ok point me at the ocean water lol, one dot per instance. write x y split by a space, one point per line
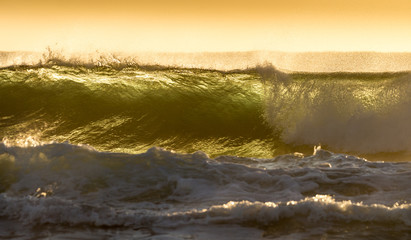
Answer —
124 151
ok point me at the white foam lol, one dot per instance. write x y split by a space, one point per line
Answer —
31 210
69 185
347 115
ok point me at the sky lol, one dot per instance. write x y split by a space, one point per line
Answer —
211 25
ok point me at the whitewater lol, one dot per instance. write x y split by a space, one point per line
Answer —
121 150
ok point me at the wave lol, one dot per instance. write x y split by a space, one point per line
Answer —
257 112
320 214
62 169
61 184
133 108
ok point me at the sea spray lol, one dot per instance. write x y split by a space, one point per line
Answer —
363 113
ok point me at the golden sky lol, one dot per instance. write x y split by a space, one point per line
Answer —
212 25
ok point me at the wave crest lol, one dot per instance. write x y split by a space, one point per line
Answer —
260 111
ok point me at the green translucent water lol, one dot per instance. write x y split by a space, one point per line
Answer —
254 113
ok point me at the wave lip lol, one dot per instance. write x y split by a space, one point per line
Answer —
305 61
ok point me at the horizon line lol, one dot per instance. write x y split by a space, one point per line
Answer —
198 52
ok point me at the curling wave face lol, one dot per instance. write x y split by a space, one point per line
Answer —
259 112
132 109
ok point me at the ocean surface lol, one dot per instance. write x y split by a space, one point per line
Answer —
128 151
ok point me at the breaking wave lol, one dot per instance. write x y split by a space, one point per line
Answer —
259 112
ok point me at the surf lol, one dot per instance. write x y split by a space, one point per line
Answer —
60 185
110 147
256 112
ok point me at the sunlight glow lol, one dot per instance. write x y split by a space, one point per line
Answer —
180 25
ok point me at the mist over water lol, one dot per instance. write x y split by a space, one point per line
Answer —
110 147
226 61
